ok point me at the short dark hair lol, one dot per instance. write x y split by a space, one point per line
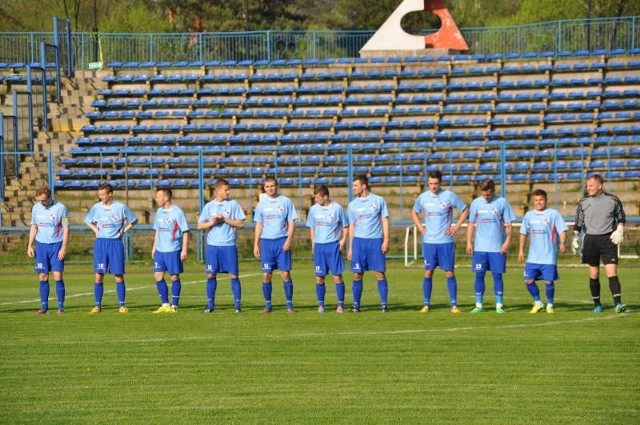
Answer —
321 190
435 174
487 184
221 182
43 190
271 179
540 192
166 190
107 187
596 177
363 179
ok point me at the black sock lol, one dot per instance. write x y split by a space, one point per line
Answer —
616 289
594 285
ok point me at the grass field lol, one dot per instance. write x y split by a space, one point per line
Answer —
402 367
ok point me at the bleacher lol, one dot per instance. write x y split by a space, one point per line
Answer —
558 116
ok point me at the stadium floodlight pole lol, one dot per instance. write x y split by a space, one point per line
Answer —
95 30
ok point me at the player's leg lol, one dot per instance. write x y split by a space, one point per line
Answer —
610 260
100 260
117 267
498 266
336 267
159 268
57 267
42 267
531 274
212 267
446 258
591 256
479 266
284 262
175 267
358 267
429 252
268 261
233 269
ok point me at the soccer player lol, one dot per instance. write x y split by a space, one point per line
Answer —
169 249
50 233
328 233
438 247
110 220
368 240
275 218
221 218
490 216
601 216
545 228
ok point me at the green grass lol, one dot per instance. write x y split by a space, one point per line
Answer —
403 367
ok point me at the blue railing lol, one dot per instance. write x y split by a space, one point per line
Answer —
557 36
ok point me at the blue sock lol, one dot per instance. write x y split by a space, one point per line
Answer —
288 292
121 290
452 286
427 286
266 292
321 290
176 288
383 290
98 291
534 291
163 291
479 288
212 285
357 292
340 290
498 287
550 290
236 290
44 294
60 292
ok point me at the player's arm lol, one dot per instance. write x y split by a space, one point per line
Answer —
291 227
352 229
238 224
32 238
312 236
385 234
66 230
343 239
155 242
93 227
129 226
470 228
463 217
563 242
256 239
508 227
207 224
523 239
416 221
185 245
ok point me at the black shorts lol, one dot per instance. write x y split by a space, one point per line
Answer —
599 247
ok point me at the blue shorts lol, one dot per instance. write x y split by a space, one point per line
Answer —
221 259
108 256
548 272
327 258
495 262
168 262
439 255
46 258
366 254
273 256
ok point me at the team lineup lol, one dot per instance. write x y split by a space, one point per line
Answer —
363 231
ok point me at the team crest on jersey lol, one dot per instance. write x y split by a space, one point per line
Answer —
494 211
373 207
443 205
547 222
280 208
169 220
114 218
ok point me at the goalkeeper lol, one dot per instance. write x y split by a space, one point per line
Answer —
601 217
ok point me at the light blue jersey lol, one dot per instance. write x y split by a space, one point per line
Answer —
366 215
110 220
170 225
275 215
326 222
222 234
543 229
50 222
490 219
438 214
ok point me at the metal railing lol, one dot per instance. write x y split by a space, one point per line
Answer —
556 36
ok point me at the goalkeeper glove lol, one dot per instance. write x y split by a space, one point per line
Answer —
575 242
617 236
